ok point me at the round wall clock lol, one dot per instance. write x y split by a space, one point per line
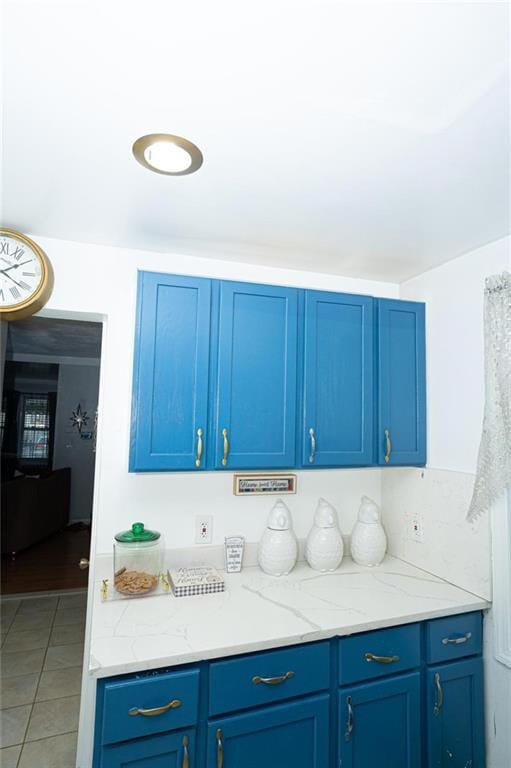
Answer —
26 276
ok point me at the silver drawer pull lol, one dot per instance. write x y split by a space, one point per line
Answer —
439 695
219 749
273 680
456 640
174 704
349 720
186 756
381 659
312 438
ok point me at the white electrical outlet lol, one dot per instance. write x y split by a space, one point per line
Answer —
415 528
203 529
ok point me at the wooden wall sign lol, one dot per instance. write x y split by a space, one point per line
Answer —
267 485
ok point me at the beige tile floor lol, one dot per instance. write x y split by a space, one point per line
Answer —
40 676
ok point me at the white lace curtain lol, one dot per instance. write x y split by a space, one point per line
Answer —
494 460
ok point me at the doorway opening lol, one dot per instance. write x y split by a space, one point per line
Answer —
48 424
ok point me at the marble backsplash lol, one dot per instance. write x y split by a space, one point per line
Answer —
452 548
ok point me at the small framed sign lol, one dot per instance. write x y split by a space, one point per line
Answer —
234 546
267 485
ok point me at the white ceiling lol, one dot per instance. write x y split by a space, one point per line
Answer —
365 139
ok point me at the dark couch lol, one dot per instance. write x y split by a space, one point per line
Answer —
34 508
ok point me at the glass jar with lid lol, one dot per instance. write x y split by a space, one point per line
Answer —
138 555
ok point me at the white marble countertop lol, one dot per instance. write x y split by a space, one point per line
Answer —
258 611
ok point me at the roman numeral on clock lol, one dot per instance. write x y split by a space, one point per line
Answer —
2 297
28 274
15 292
24 285
4 248
18 253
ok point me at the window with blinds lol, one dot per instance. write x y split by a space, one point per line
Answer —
35 427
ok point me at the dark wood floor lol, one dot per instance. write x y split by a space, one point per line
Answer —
51 564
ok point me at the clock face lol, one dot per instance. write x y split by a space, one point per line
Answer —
21 271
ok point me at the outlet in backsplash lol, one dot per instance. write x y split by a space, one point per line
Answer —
451 547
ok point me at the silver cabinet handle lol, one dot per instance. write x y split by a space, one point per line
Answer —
226 447
388 446
186 756
381 659
273 680
219 749
313 445
349 722
457 640
174 704
439 695
200 443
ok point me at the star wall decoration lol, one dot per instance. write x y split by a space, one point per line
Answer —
79 418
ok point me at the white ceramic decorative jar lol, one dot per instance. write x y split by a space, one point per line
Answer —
278 548
324 548
368 539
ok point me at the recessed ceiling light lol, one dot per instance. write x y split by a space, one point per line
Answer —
167 154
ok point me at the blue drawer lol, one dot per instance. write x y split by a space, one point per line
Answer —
378 653
263 678
454 637
123 699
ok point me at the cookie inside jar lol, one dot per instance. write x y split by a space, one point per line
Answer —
137 560
134 582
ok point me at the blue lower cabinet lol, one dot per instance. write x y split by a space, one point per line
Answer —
387 698
291 735
455 715
266 678
148 705
170 750
380 724
379 653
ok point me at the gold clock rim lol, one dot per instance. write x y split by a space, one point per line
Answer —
38 299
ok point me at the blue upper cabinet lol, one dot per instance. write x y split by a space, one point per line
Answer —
232 375
256 377
337 427
401 433
170 385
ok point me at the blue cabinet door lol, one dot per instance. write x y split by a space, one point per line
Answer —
170 386
293 735
256 378
337 428
170 750
455 715
401 435
379 724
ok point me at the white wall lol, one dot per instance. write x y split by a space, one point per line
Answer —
455 367
101 281
76 384
453 548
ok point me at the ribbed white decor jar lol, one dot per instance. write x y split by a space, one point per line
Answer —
324 548
278 548
368 539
